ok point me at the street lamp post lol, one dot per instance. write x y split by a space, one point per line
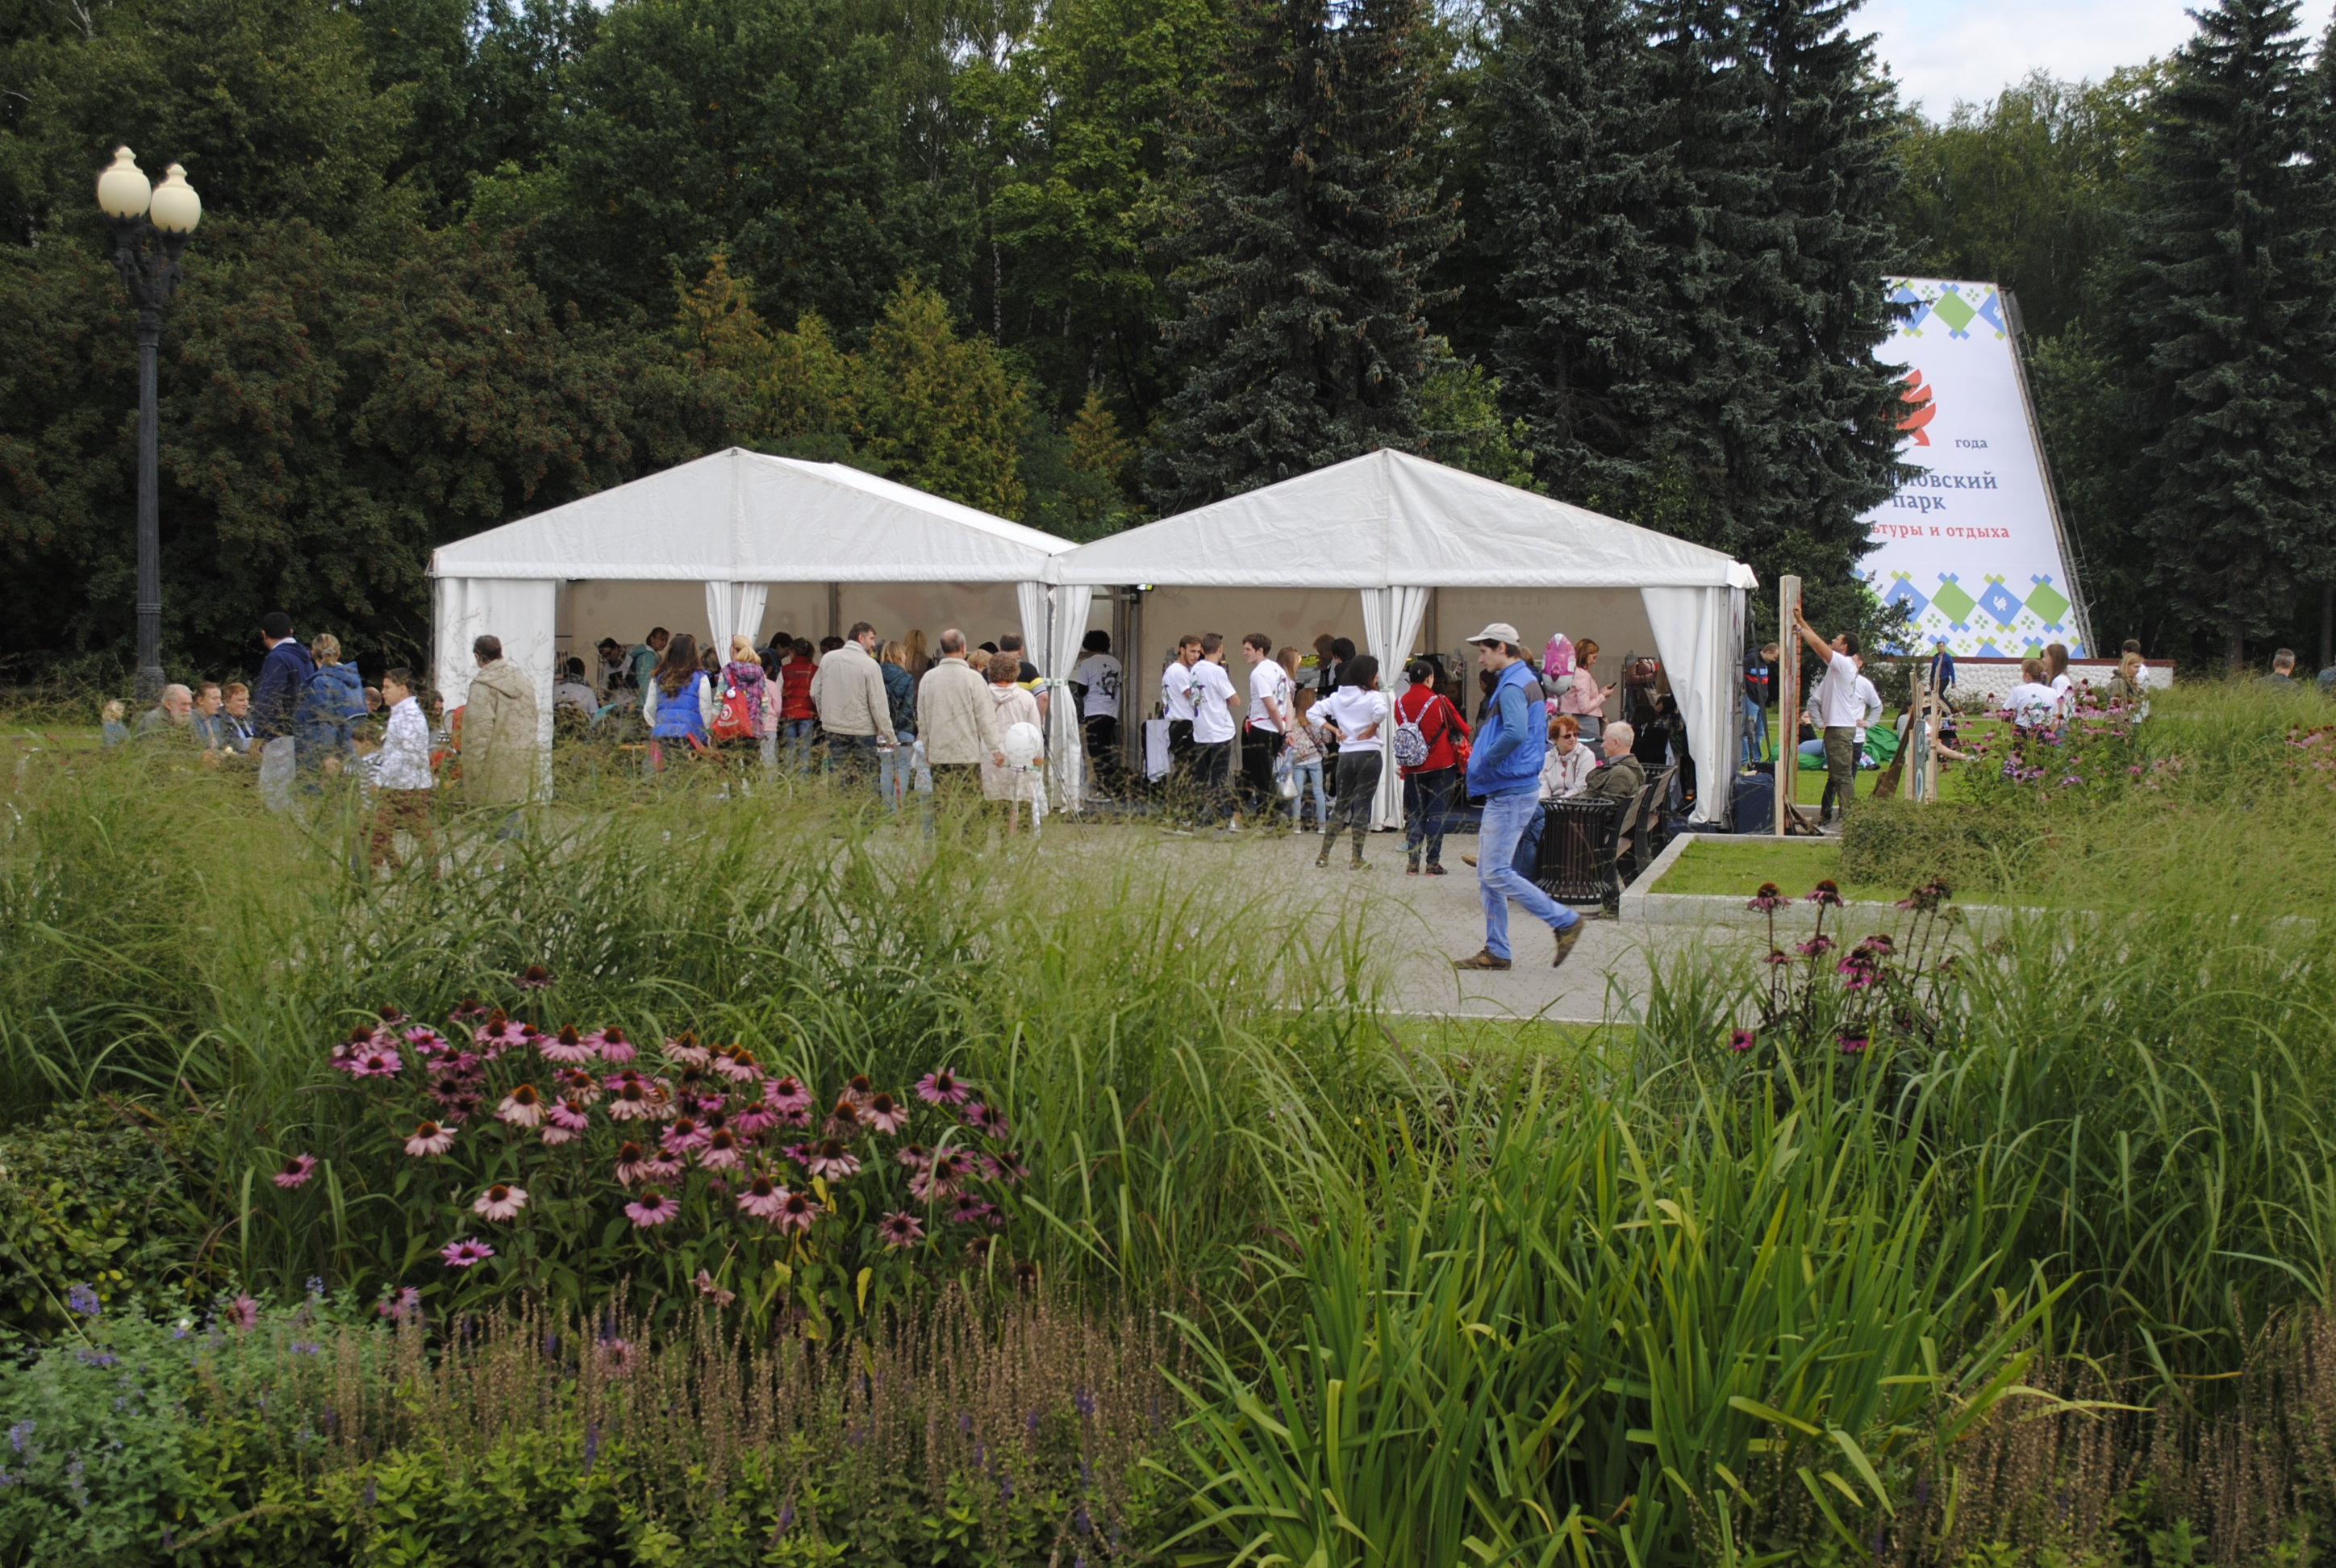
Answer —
151 227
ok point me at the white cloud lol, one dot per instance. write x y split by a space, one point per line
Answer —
1943 50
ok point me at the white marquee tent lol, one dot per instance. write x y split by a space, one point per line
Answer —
1428 548
739 541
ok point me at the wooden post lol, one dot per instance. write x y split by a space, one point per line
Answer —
1788 699
835 610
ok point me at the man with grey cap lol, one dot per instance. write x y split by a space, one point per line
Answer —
1504 768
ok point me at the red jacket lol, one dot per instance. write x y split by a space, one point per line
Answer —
795 689
1439 721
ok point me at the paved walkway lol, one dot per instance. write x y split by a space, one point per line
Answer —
1415 926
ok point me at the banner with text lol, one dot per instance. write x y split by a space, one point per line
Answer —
1968 544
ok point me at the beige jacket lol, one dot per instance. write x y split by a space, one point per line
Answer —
502 745
956 715
848 689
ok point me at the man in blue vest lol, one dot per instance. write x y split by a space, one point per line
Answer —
1505 769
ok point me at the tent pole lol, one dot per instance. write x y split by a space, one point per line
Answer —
1788 699
835 610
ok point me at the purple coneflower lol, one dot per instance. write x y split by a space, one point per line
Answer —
900 1229
831 1160
651 1208
1826 895
986 1119
916 1156
377 1063
720 1152
629 1101
682 1136
888 1116
970 1209
534 977
612 1044
631 1158
429 1138
500 1201
468 1009
523 1107
617 1355
360 1039
859 1090
1768 899
391 1013
1742 1040
243 1312
1851 1044
941 1089
762 1198
568 1115
297 1171
461 1255
796 1210
843 1121
578 1085
787 1097
1816 946
1778 956
397 1306
453 1089
738 1062
567 1047
426 1041
688 1051
553 1136
756 1119
713 1291
1005 1166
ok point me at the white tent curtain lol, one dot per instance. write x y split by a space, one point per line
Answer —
732 607
1696 634
1065 787
1392 617
521 613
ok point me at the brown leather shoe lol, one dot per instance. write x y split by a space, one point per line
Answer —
1467 860
1483 960
1566 939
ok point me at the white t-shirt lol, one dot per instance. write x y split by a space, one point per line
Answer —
1268 679
1213 721
1176 691
1355 710
2031 704
1099 673
1839 703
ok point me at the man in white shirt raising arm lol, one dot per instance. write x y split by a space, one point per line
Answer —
1841 709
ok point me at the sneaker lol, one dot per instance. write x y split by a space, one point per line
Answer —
1324 858
1411 866
1359 865
1483 960
1436 870
1565 941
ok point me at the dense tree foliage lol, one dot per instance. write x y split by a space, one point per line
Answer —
1074 259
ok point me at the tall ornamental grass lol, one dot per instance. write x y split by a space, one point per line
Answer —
179 944
1583 1331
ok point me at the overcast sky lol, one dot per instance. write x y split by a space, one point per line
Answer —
1943 50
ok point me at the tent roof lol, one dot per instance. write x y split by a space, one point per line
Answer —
738 516
1389 519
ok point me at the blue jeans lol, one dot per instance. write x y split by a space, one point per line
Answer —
853 758
892 774
1527 860
1756 732
1505 817
1309 775
798 734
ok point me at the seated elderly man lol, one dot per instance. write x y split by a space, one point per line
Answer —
1569 772
172 718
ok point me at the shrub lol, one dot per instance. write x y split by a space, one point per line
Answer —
95 1198
1972 848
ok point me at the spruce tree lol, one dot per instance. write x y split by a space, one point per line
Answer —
1576 175
1811 292
1300 254
2232 298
